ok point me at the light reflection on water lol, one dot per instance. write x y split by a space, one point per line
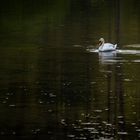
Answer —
74 95
114 56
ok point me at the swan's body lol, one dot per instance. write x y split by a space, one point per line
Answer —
105 47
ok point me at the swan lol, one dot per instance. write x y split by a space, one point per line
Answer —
105 47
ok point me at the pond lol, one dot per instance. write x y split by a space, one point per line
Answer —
53 82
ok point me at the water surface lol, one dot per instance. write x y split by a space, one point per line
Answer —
54 86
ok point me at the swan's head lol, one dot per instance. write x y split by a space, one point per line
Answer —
101 41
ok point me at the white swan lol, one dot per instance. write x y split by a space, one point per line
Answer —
105 47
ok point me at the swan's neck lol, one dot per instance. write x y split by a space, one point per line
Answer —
102 43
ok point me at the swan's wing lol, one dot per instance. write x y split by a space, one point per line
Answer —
108 45
111 45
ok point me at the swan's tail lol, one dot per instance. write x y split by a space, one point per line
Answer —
115 46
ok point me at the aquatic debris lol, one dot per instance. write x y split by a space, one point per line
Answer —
71 136
134 113
106 109
63 122
102 138
35 131
127 80
89 128
138 130
50 110
10 132
80 138
79 129
133 123
9 93
92 83
98 111
89 123
52 95
121 122
94 132
120 117
12 105
6 98
136 61
77 45
41 102
45 93
122 133
104 122
106 134
67 83
108 124
82 114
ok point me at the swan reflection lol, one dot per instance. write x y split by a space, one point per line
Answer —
107 57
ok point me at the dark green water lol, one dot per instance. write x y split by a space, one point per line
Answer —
52 87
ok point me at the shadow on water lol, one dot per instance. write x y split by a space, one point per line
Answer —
52 88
